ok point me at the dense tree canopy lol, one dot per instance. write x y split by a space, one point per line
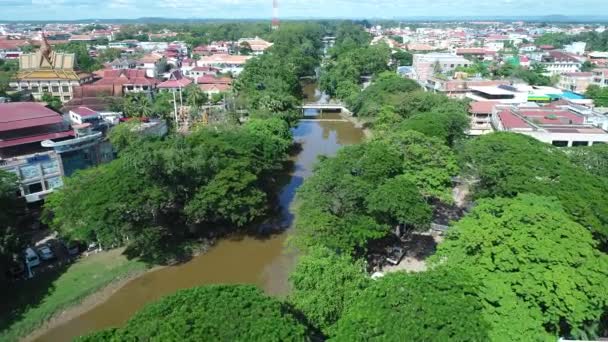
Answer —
335 208
592 158
352 57
211 313
160 190
427 161
508 164
598 95
324 284
534 262
388 89
431 306
10 208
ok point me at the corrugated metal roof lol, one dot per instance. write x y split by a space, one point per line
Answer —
18 115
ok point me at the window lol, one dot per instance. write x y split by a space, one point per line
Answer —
30 171
35 89
50 167
32 188
66 98
580 143
560 143
65 89
45 89
53 183
599 143
451 65
130 87
55 89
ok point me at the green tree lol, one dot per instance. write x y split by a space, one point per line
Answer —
324 284
245 49
402 58
528 253
594 159
137 105
10 208
436 305
53 102
398 202
427 162
211 313
507 164
598 95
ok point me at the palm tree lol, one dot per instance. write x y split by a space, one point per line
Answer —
195 98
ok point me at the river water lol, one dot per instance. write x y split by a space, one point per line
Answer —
245 260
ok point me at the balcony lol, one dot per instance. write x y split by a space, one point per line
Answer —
74 144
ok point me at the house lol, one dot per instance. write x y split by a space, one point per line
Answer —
81 38
175 83
11 48
500 93
197 72
47 71
123 63
225 63
212 89
128 81
526 48
559 62
38 146
562 126
575 81
257 44
208 79
153 64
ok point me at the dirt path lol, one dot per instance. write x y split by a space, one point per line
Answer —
86 304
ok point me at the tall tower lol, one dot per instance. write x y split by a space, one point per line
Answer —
275 14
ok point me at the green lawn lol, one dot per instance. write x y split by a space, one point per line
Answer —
33 302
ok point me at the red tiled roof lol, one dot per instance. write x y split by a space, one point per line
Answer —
208 79
510 120
12 44
211 87
183 82
126 76
553 117
483 107
18 115
35 138
84 111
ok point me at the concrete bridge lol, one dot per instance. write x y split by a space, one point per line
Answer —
326 106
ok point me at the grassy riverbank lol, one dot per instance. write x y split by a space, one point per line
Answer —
32 303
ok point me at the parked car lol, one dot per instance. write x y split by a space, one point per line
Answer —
73 247
31 258
46 253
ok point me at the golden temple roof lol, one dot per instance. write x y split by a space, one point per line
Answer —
46 64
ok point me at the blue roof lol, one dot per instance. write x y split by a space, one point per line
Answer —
572 96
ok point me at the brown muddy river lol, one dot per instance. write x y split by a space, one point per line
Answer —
265 263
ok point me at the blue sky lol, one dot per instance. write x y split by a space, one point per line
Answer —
79 9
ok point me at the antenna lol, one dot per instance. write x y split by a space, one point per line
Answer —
275 14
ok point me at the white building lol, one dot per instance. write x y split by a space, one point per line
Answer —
562 126
427 65
577 48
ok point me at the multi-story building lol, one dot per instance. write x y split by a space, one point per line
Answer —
575 81
558 62
426 66
39 146
562 126
600 77
47 71
458 88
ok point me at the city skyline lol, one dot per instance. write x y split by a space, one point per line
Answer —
262 9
